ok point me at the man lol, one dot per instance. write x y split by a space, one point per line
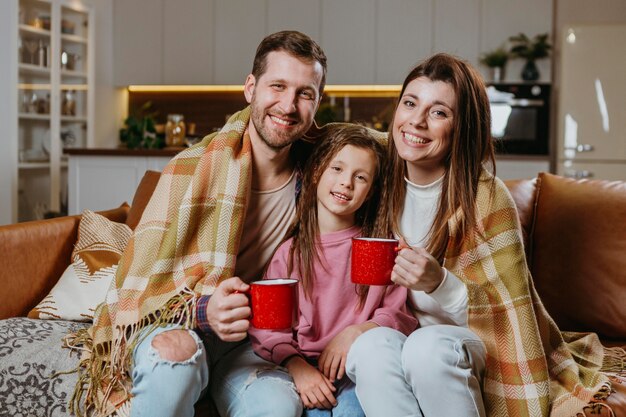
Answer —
219 211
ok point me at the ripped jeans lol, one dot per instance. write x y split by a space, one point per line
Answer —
242 384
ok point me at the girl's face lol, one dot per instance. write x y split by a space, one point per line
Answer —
422 128
344 186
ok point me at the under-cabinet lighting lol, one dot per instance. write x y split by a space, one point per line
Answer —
333 89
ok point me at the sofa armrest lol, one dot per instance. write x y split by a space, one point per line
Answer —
33 256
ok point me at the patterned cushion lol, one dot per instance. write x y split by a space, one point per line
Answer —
30 353
84 283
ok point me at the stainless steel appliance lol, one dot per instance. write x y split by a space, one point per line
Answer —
520 117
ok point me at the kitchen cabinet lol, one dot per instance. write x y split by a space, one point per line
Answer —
348 38
452 18
138 42
403 35
366 41
187 42
104 179
281 16
163 42
51 80
239 27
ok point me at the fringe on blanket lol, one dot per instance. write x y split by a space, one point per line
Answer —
102 373
614 361
614 365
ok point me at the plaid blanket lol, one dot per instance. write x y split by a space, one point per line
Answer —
532 368
185 244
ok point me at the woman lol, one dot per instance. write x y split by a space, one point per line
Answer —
486 345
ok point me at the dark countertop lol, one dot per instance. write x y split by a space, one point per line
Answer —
123 151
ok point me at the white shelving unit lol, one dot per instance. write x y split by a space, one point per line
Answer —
55 70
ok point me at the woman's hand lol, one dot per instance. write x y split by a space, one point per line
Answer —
316 391
417 269
332 361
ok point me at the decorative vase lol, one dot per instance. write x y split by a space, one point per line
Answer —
497 74
530 71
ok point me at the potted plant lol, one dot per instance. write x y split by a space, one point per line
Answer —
495 60
531 50
139 130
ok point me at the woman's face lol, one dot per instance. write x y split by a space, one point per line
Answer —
422 128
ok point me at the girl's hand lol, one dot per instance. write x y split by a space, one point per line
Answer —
332 361
316 391
416 269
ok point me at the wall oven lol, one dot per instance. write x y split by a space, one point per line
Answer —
520 116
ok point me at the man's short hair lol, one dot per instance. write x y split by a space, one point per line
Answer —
294 43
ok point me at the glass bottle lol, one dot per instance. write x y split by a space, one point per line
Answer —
175 130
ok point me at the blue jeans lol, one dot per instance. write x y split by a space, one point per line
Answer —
242 384
435 372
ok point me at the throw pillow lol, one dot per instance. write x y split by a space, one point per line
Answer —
84 283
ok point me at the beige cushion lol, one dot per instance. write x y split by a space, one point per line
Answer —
579 253
84 283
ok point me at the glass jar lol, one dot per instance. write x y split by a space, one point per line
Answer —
175 130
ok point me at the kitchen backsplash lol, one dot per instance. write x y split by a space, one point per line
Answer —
209 110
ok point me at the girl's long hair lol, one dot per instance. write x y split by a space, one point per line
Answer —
471 146
305 230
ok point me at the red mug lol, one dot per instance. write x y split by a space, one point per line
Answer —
372 260
274 303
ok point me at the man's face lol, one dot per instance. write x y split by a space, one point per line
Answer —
284 99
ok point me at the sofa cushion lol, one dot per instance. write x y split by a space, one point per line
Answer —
85 281
578 253
31 355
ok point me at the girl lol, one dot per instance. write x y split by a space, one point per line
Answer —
486 345
339 201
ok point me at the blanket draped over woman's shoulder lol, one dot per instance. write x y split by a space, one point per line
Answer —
532 368
185 244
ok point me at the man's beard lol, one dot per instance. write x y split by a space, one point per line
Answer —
273 137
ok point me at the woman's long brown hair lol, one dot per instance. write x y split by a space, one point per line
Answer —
471 146
305 230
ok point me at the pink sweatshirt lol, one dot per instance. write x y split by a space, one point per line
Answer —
332 306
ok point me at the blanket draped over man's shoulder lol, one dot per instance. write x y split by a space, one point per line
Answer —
185 244
532 368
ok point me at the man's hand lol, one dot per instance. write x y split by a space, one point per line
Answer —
228 311
332 361
316 391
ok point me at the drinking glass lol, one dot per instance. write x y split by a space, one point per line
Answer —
31 46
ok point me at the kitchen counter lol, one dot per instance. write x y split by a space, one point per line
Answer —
103 178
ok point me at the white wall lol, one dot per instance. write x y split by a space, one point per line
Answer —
111 103
8 114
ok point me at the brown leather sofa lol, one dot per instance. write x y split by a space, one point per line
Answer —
575 234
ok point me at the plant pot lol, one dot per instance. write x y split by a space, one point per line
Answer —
497 74
530 71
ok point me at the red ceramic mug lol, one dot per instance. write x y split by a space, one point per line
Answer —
274 303
372 260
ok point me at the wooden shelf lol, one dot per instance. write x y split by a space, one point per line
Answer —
73 38
33 69
74 119
31 30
